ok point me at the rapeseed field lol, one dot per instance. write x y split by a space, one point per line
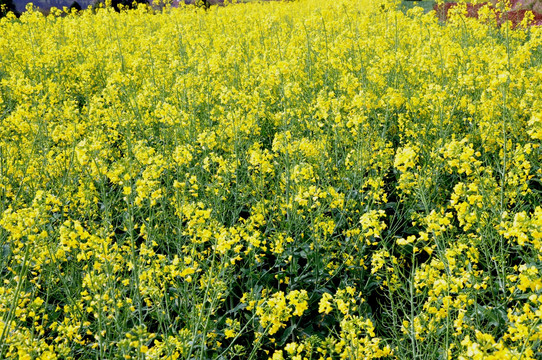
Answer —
280 180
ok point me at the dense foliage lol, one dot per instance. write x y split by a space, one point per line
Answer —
300 180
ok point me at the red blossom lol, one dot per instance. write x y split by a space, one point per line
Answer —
515 15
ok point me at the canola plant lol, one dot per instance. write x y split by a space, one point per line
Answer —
279 180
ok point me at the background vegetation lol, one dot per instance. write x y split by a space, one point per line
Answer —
7 6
